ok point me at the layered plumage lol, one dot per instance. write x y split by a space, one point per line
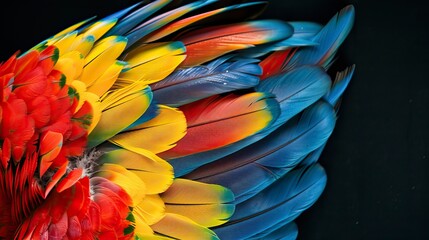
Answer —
163 124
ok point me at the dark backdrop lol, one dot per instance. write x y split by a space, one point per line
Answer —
378 157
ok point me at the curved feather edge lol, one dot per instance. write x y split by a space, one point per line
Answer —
329 38
303 32
341 82
272 157
180 227
222 120
283 201
294 90
222 75
133 19
161 20
206 204
288 231
206 44
197 19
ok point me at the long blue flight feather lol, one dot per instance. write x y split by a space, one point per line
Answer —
272 157
341 82
295 91
302 37
329 39
139 15
281 231
220 76
161 20
281 202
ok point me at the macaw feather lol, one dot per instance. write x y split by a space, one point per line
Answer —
329 38
341 82
153 62
146 165
161 20
288 197
130 102
206 44
167 120
180 227
156 135
206 204
101 57
136 17
193 20
222 75
272 157
127 180
218 121
150 211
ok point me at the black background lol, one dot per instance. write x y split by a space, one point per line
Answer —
378 157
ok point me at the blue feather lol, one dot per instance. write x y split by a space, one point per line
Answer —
305 30
159 21
302 35
264 49
329 39
272 157
312 157
122 13
191 84
133 19
282 202
281 231
294 90
341 82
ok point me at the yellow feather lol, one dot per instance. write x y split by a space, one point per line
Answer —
150 210
141 227
83 44
149 52
152 237
180 227
156 135
154 171
92 99
129 103
207 204
208 215
153 62
101 57
125 179
71 65
184 191
98 29
154 70
64 43
107 79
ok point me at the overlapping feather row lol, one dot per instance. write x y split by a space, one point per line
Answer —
169 126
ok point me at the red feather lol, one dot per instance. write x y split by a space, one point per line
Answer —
50 147
275 62
48 58
70 179
39 109
26 63
208 43
55 178
218 121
